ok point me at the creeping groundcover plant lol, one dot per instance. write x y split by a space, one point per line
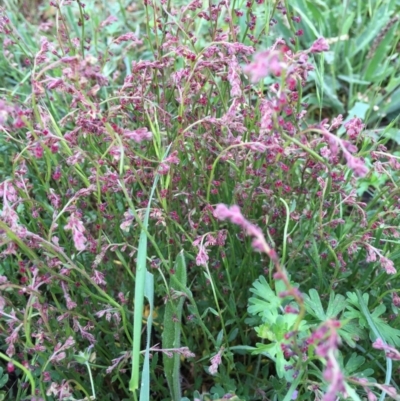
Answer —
199 200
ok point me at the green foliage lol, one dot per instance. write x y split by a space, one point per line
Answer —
275 325
376 326
158 267
360 72
354 326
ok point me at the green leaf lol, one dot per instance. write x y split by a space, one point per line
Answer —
337 304
233 334
379 59
351 332
371 31
21 208
3 380
313 305
275 324
264 331
268 350
348 22
354 363
81 358
280 363
268 302
390 334
353 313
353 80
376 325
394 134
352 297
358 110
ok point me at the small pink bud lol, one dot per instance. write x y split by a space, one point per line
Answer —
10 367
38 151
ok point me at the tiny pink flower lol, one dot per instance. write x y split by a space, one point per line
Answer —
215 362
57 174
264 63
10 367
320 45
108 21
172 158
163 169
354 127
138 135
38 151
128 221
233 213
337 122
54 83
130 36
98 278
79 240
202 256
395 299
388 265
77 228
357 165
371 255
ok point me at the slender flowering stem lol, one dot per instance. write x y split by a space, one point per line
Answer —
222 212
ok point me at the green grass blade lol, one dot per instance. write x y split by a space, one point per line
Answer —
172 331
149 294
140 281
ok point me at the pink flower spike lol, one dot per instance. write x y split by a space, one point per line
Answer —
222 212
258 245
